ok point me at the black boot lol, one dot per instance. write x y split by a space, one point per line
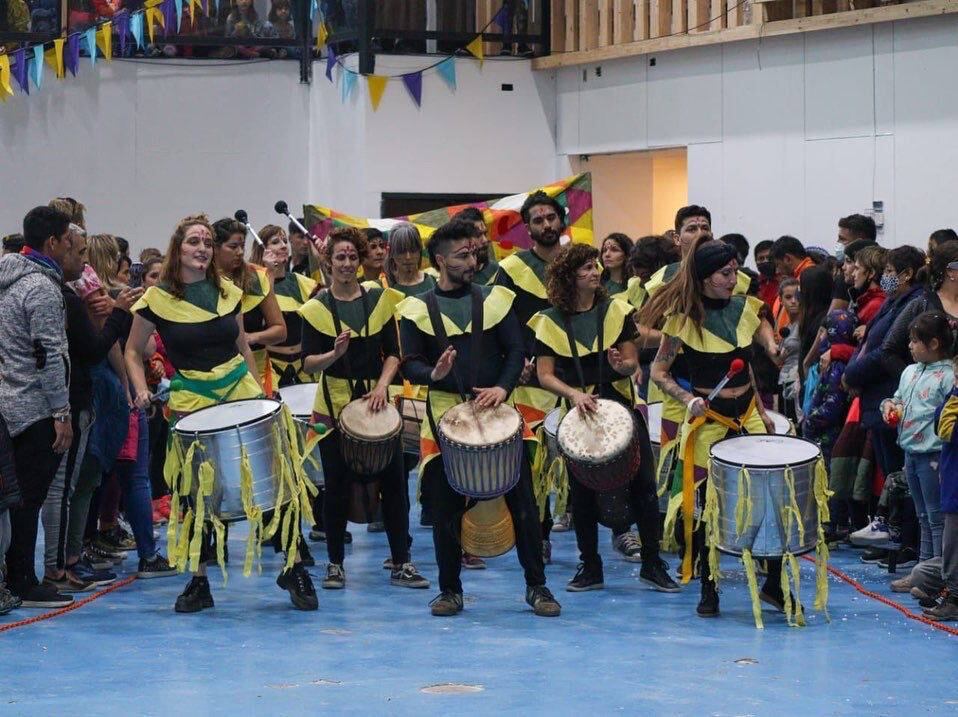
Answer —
709 602
196 596
299 585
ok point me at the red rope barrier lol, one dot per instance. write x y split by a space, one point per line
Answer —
69 608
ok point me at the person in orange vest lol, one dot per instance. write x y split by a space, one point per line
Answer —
790 259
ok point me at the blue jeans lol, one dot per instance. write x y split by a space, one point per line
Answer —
134 479
921 472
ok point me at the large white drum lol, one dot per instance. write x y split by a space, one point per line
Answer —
600 450
770 461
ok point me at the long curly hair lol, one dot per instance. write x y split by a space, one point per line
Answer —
170 276
560 276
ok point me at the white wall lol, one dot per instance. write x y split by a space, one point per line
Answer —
788 133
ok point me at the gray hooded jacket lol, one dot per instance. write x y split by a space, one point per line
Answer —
34 363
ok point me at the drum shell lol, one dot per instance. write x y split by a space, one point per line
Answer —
765 536
312 468
413 412
265 447
366 457
550 428
608 475
482 471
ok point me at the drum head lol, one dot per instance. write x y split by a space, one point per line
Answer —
655 422
552 420
363 423
471 426
764 451
782 425
232 414
599 437
300 398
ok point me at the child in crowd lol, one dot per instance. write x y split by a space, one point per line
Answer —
788 380
945 418
830 399
280 22
923 387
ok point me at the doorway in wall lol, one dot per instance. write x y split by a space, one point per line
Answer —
636 193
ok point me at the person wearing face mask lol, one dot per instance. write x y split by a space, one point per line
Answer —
486 265
710 325
524 273
852 229
198 316
767 277
292 291
350 342
262 319
375 260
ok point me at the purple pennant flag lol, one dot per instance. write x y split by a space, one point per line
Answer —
121 22
413 82
71 58
169 17
18 68
503 17
330 64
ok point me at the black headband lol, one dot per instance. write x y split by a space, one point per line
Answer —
712 256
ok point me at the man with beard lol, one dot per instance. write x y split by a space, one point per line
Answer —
525 274
443 353
486 265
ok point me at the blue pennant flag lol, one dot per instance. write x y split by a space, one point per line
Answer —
349 82
136 29
447 70
89 37
38 65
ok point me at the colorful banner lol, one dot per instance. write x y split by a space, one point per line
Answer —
506 229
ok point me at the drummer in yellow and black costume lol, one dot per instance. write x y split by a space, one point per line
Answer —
486 265
573 365
455 364
292 291
350 340
197 314
524 273
711 326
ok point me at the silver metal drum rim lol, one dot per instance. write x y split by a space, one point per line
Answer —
769 467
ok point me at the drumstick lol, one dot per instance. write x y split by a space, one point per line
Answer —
243 219
736 367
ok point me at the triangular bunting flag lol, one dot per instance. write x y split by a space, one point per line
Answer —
54 57
104 40
178 4
170 26
71 58
503 18
193 5
5 87
19 70
38 65
313 8
377 86
122 20
330 64
89 37
349 82
413 82
321 35
475 48
154 14
447 70
136 29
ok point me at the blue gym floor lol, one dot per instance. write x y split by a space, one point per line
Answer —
375 649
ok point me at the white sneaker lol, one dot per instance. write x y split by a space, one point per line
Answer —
563 523
628 546
875 533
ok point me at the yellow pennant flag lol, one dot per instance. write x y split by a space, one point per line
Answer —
321 35
377 85
104 40
475 47
5 88
54 57
193 5
153 14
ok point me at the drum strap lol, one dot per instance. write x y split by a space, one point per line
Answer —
600 321
334 310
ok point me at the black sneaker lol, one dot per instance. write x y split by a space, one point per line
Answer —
834 535
932 601
43 596
407 576
318 534
873 555
907 558
305 556
299 585
946 611
628 546
196 596
335 577
69 583
84 570
446 604
157 567
112 541
709 601
8 601
103 558
655 574
585 578
543 603
771 594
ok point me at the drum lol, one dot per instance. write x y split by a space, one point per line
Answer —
413 412
368 440
664 472
300 398
222 431
783 427
600 450
550 427
481 449
771 461
487 529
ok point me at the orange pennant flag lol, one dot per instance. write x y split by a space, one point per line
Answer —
377 86
475 48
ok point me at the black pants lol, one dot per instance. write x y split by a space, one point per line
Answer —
448 507
159 428
395 502
643 503
36 466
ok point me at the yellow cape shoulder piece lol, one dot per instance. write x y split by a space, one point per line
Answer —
383 309
549 329
523 276
252 299
166 306
495 307
719 336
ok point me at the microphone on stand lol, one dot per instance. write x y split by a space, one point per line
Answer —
243 218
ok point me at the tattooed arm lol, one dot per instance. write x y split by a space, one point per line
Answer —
668 350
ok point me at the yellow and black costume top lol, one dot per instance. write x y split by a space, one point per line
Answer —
487 274
428 282
292 291
632 292
369 318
